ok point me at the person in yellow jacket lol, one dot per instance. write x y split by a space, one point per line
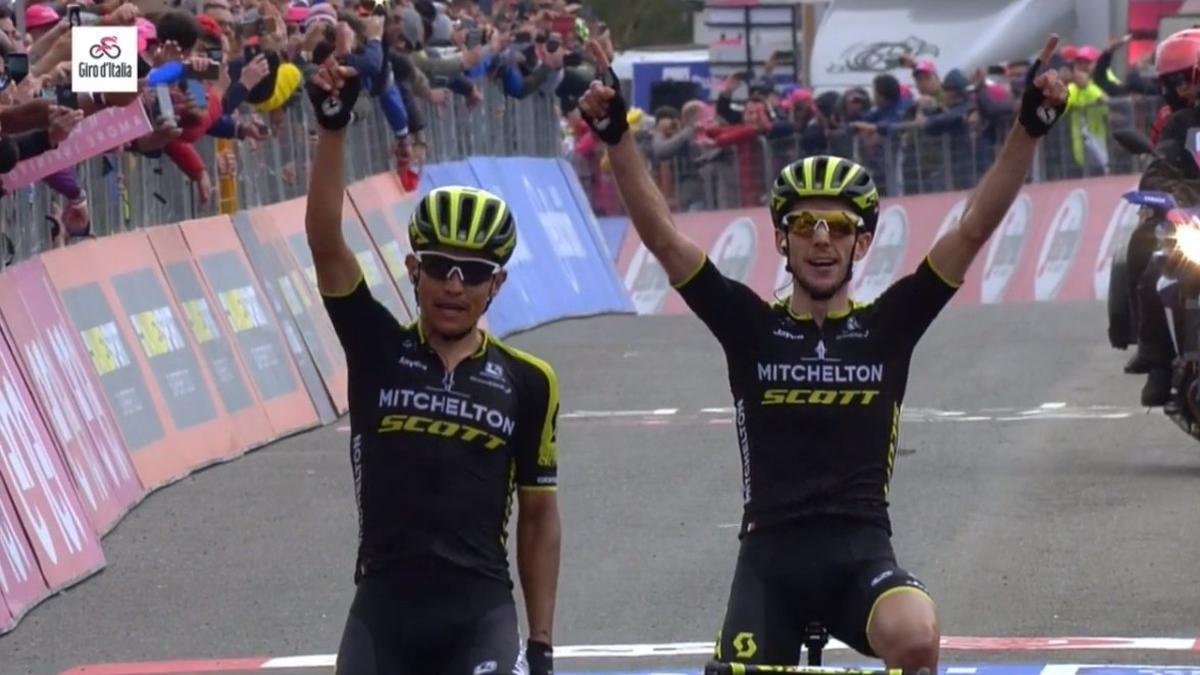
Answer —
1087 114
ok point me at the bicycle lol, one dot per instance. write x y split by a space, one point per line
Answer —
815 638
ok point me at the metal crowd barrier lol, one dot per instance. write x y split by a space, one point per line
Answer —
127 191
907 160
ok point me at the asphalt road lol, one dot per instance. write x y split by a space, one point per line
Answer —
1056 522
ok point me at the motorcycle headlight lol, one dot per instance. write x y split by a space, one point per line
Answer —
1187 241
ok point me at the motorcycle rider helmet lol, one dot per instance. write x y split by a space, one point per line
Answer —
830 177
1176 62
464 218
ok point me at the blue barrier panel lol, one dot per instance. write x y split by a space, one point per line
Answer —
614 228
448 173
598 269
537 290
584 205
563 266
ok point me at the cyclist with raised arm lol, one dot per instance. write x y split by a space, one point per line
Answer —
446 423
818 381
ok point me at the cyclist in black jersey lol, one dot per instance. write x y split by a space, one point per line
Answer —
447 423
818 381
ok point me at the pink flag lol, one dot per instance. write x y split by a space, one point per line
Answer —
95 135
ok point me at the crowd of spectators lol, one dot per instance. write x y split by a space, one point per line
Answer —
934 132
247 62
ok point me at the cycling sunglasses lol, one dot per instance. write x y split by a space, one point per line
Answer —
442 266
837 223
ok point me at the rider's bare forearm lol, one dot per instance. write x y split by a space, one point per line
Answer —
539 544
337 269
953 254
650 213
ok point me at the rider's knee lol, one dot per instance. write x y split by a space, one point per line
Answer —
916 647
905 633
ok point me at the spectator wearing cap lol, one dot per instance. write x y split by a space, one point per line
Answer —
39 19
995 105
929 88
1087 115
946 158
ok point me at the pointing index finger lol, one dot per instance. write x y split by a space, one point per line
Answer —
1048 49
596 52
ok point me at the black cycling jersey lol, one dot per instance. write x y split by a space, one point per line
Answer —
436 454
816 407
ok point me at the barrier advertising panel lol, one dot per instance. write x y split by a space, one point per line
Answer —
446 173
245 314
380 272
21 583
55 365
1054 244
374 271
62 538
260 241
114 292
532 294
384 209
299 290
247 420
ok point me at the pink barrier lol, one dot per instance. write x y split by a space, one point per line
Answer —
1055 244
56 366
21 582
62 538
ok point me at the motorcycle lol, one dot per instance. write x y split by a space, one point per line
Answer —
1177 255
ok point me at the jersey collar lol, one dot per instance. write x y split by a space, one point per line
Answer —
483 343
786 305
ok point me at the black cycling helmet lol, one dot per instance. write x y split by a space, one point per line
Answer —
465 218
825 176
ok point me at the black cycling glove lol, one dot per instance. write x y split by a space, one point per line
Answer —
1037 115
333 111
610 129
540 657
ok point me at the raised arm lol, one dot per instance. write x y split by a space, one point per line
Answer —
604 109
1042 105
333 92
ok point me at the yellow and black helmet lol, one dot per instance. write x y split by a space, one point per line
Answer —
829 177
465 218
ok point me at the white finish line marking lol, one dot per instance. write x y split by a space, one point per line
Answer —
1054 410
625 651
630 651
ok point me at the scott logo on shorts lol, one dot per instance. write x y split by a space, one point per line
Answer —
486 667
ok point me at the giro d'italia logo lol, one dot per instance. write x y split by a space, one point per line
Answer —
104 59
106 48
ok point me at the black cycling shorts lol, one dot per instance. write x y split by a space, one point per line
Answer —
417 625
832 571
